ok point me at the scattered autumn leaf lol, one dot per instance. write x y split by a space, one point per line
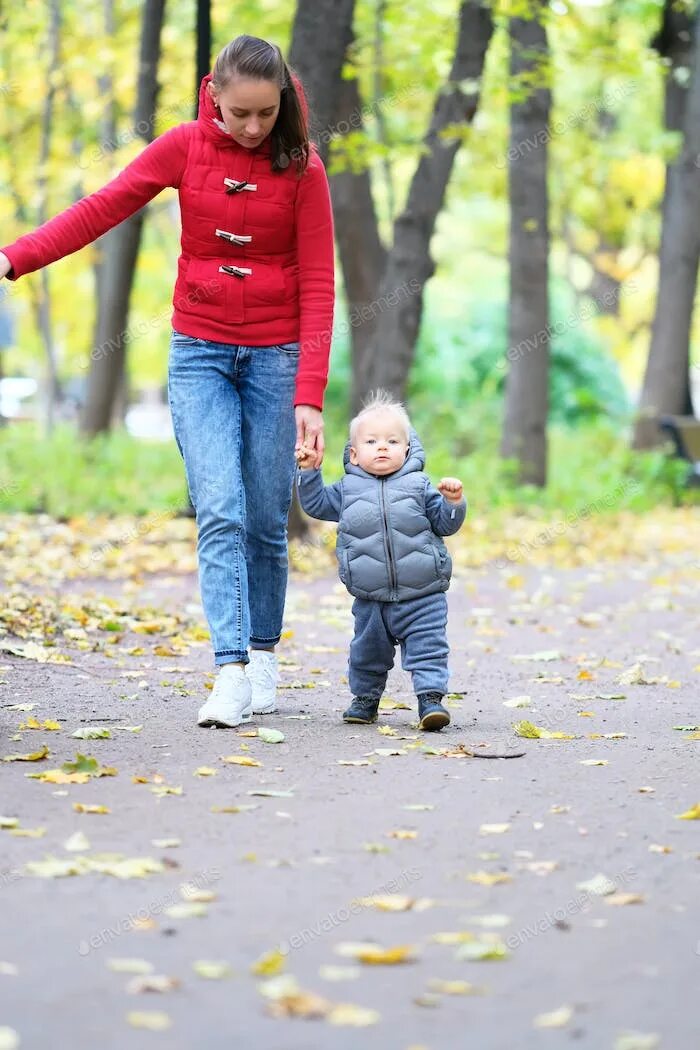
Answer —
154 1020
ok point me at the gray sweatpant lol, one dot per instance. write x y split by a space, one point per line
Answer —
418 625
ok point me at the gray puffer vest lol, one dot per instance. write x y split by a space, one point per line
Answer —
386 548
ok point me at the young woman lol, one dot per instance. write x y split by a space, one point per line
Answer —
252 321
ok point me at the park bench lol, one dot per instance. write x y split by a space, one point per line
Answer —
685 433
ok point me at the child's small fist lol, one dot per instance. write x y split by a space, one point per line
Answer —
305 457
451 489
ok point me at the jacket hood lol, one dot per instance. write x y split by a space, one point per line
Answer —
209 118
415 460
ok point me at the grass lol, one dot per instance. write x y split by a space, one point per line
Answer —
591 469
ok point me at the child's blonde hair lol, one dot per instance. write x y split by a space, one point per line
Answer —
381 401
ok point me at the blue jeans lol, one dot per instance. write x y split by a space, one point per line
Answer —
233 417
418 625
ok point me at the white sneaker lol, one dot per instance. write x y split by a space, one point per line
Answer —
263 676
229 703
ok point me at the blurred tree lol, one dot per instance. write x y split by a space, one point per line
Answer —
203 57
120 250
665 388
321 33
385 287
525 417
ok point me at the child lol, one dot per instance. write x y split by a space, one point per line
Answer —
391 556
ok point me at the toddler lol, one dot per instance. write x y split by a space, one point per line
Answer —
391 556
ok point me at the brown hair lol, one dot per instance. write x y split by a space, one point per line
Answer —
249 56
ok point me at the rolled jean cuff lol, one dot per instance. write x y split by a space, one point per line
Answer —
264 643
231 656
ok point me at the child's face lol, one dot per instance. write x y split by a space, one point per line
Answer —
380 443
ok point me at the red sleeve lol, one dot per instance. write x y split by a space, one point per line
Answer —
159 165
314 235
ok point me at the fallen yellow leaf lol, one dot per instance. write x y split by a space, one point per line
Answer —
690 814
375 955
488 878
269 964
32 756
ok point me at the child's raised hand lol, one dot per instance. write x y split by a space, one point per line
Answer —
305 457
451 489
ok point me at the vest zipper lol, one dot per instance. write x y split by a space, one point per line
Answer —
393 583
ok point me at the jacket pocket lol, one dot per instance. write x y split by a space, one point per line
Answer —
443 561
264 286
204 283
343 566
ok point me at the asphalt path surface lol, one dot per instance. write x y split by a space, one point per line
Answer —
579 879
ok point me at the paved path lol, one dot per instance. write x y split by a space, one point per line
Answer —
489 855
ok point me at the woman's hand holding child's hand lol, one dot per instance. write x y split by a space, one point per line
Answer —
305 457
451 489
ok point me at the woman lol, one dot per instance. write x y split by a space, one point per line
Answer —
252 321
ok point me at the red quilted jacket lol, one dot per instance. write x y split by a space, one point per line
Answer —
274 230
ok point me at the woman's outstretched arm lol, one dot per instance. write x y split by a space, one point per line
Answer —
159 165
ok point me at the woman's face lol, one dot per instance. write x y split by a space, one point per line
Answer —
249 108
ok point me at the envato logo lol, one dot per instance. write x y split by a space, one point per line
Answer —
584 313
563 525
602 102
131 921
338 918
559 915
8 876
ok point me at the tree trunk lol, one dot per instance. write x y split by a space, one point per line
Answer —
526 402
42 301
665 388
321 34
409 264
203 56
121 250
362 255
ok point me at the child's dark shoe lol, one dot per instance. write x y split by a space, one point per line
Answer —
362 711
431 713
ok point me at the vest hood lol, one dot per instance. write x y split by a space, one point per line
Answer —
415 460
209 118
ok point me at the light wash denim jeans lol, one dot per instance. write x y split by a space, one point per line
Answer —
233 417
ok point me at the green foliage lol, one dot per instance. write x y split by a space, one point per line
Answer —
468 362
591 466
66 475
